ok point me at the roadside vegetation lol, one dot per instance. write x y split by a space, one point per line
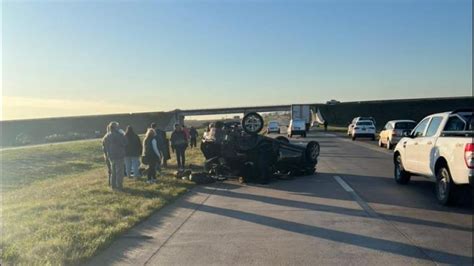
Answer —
57 208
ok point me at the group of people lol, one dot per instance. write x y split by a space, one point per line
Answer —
123 150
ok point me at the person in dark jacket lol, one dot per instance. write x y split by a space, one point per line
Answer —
114 144
163 144
151 154
193 135
179 143
133 151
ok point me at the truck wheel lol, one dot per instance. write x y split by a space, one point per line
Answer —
401 176
444 186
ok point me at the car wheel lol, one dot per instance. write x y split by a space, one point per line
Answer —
389 145
401 176
312 151
444 186
252 123
380 142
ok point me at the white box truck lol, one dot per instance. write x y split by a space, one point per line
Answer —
301 112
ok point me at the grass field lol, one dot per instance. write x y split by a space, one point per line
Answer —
58 209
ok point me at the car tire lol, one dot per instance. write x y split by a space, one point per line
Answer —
444 186
312 151
252 123
389 145
401 176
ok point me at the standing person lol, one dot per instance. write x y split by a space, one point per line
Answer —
163 144
114 144
193 134
106 157
186 132
133 150
179 143
151 154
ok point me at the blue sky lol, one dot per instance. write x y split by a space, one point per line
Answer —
87 57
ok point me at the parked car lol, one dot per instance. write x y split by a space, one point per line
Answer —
273 127
247 155
363 129
393 131
355 120
297 127
440 147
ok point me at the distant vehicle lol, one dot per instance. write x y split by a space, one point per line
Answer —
273 127
297 127
363 128
302 112
355 120
440 147
393 131
332 102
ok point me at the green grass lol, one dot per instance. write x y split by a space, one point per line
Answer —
58 209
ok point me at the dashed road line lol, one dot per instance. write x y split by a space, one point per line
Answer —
365 206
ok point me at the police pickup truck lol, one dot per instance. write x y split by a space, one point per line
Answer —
440 147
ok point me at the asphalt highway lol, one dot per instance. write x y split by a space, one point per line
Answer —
350 212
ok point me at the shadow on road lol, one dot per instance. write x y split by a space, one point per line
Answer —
338 236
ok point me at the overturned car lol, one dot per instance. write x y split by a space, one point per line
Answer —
241 152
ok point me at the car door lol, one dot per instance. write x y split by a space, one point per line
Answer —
426 146
410 157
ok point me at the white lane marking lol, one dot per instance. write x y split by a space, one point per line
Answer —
343 184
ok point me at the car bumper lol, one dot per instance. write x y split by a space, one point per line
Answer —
298 132
365 134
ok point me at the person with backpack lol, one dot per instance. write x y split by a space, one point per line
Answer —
133 150
114 144
179 143
151 154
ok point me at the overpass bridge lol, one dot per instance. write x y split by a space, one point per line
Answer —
179 115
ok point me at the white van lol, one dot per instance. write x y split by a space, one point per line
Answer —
297 127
